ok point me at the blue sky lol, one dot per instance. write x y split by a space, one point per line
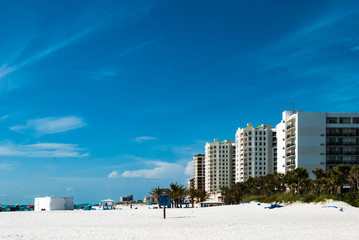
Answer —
101 99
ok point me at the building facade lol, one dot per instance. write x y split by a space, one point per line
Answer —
219 165
302 139
199 171
317 140
254 152
126 198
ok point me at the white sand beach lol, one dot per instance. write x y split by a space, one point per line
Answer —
245 221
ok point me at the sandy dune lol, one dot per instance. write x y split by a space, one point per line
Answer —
245 221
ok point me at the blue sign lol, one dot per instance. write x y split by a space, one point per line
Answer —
164 200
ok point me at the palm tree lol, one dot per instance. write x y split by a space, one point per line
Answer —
176 192
227 195
354 177
239 189
202 195
300 176
319 173
342 172
192 194
157 192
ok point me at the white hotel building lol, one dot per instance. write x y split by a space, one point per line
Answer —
254 152
317 140
219 165
302 139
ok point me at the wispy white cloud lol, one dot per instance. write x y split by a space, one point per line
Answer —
144 139
106 73
124 14
6 165
189 170
69 189
44 126
5 70
4 117
42 150
161 170
311 60
184 151
140 46
113 174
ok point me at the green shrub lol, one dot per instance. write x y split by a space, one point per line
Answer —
352 198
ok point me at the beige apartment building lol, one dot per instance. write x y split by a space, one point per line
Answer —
254 151
219 165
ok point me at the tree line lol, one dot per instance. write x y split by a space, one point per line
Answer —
277 187
297 186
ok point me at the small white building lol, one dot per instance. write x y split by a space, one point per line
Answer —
107 204
54 203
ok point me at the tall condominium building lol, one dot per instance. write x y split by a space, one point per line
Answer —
254 151
317 140
219 164
199 174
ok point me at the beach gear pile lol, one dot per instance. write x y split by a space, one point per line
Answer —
340 209
274 206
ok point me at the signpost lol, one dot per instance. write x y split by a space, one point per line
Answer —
164 201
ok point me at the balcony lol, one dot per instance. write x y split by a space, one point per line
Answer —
290 135
289 163
290 126
290 145
290 154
